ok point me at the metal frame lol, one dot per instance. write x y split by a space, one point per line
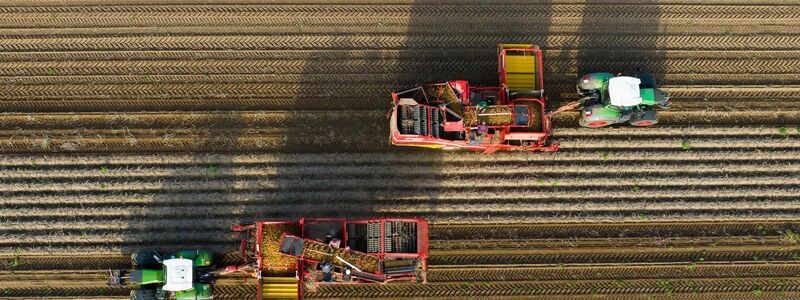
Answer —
255 231
399 139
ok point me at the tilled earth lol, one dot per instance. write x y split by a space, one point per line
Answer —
141 124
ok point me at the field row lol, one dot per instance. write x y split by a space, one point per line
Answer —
586 242
308 41
433 183
363 93
641 288
560 86
324 66
398 8
87 284
776 123
773 111
484 57
443 160
608 272
598 169
224 142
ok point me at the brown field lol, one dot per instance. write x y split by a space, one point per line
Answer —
141 124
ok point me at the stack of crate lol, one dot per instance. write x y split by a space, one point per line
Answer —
373 237
400 237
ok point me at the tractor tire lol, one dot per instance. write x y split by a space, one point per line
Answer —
644 118
143 294
145 259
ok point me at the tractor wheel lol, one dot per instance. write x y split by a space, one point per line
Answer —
595 124
143 294
645 118
145 259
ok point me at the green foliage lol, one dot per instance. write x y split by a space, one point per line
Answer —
686 145
33 164
17 259
761 230
604 157
619 283
52 72
783 131
213 169
668 286
790 237
691 266
635 189
757 291
104 169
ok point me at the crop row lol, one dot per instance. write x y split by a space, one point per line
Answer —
276 68
397 158
648 58
224 141
609 272
734 123
603 168
496 212
432 181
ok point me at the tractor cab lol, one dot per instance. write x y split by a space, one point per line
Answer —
177 275
623 91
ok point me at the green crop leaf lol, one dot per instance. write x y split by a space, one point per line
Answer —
783 131
686 145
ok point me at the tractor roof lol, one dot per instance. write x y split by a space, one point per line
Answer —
178 274
623 91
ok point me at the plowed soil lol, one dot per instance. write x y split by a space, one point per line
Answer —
140 124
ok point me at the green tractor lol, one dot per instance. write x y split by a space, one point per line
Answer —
182 275
608 99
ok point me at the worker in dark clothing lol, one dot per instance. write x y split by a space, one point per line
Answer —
483 130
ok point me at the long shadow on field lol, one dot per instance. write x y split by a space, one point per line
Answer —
342 165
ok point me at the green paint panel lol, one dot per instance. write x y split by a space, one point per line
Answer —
201 258
200 291
648 96
149 276
607 111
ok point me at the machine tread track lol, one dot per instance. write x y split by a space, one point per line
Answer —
482 289
607 272
391 41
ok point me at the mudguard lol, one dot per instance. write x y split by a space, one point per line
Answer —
598 116
201 258
201 291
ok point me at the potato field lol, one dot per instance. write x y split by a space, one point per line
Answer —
142 124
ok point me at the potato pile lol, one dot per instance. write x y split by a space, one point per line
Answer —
445 94
270 245
325 253
492 115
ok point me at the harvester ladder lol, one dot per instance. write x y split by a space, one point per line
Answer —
279 288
